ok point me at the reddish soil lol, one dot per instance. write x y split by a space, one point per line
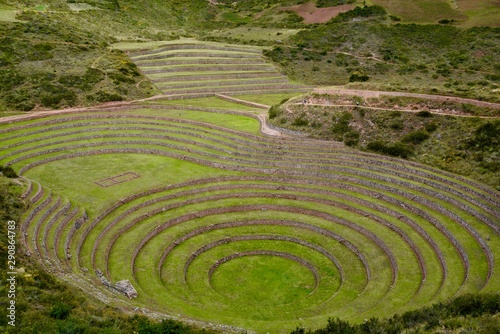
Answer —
312 14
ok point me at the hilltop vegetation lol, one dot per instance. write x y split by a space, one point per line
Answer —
59 54
364 49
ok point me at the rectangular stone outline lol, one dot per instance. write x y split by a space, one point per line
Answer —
111 181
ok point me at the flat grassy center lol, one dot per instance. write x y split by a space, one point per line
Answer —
263 280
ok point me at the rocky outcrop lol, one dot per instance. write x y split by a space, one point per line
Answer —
123 286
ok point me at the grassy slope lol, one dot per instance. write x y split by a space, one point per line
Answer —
457 144
369 51
46 305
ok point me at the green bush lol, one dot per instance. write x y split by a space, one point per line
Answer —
7 171
300 120
60 311
102 96
274 111
351 138
358 77
330 3
416 137
396 124
486 135
397 149
424 113
365 11
431 126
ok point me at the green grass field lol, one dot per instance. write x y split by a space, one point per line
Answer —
218 218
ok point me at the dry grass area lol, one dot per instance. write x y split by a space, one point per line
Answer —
313 14
481 12
421 10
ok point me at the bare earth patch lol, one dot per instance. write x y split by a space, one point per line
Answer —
312 14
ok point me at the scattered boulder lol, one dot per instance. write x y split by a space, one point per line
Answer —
123 286
126 288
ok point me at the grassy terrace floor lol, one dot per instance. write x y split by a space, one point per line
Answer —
218 216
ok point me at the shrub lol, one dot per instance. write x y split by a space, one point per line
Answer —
424 113
397 149
107 97
301 120
396 124
341 124
9 172
446 21
358 77
486 135
415 137
431 126
366 11
330 3
274 111
60 311
351 138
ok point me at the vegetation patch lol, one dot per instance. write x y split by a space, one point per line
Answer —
360 47
442 133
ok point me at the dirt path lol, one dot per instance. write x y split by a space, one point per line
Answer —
395 109
262 116
43 113
377 94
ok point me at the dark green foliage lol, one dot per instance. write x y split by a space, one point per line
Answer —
60 311
415 137
340 124
424 113
11 208
365 11
337 326
371 49
40 52
57 96
9 172
397 149
446 21
107 97
440 314
274 111
486 135
351 138
329 3
431 126
53 62
164 327
358 77
301 120
396 124
10 78
84 82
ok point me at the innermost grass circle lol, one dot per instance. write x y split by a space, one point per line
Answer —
264 280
